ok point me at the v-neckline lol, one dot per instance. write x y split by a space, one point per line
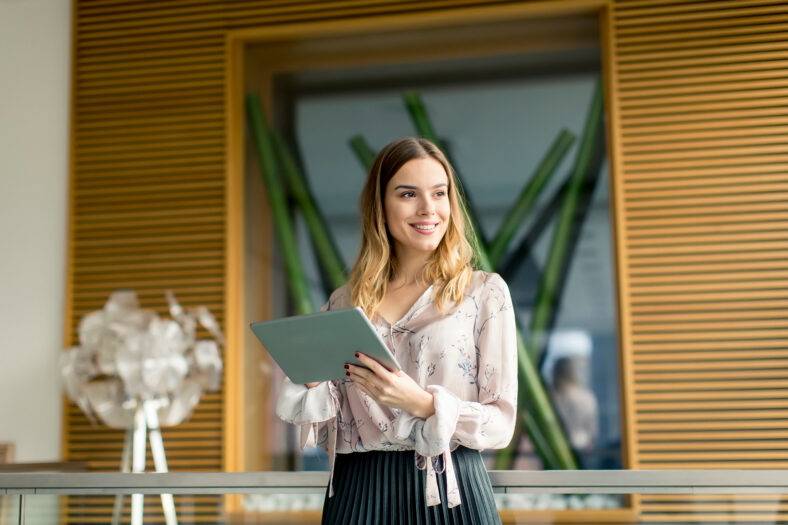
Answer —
415 304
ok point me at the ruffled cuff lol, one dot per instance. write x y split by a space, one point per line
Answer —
433 435
299 405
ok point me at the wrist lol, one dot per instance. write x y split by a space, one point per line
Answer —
427 406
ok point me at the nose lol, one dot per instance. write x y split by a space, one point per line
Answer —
427 206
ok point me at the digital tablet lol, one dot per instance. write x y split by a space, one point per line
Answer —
315 347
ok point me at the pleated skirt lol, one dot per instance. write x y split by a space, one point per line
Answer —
386 488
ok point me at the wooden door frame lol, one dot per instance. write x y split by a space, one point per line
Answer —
237 43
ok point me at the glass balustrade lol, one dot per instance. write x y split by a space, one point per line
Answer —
534 497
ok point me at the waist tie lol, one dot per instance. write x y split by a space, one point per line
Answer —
432 491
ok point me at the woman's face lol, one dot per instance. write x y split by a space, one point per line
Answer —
416 204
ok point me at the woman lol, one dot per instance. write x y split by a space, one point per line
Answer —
451 330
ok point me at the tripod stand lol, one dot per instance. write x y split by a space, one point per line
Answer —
145 419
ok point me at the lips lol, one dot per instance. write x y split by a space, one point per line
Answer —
425 228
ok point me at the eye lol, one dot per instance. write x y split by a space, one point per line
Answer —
406 194
440 193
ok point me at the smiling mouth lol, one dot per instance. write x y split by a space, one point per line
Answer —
425 228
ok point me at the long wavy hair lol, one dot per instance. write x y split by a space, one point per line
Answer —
451 264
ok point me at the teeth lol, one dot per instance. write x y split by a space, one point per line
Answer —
424 227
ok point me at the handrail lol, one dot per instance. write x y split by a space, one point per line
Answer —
552 481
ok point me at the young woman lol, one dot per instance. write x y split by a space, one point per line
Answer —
404 445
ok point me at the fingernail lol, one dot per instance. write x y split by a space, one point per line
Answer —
356 354
347 374
347 367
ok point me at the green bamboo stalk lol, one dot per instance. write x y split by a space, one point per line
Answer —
364 153
519 211
423 124
283 224
505 458
326 249
551 276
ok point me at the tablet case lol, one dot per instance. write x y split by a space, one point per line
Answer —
315 347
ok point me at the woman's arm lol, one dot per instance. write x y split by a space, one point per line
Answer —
489 422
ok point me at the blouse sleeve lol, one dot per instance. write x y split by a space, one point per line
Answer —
489 422
308 407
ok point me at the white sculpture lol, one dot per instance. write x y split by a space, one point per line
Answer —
136 371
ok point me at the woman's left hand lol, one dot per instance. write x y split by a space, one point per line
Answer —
392 388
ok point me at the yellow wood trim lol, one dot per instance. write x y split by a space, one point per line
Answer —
233 452
125 123
764 175
711 13
587 517
129 80
709 327
653 498
698 374
207 137
181 62
408 21
703 395
728 509
709 248
94 14
630 41
773 43
711 410
757 136
641 309
731 117
693 82
190 48
697 73
636 9
743 283
723 210
673 346
697 456
629 429
131 143
210 80
742 36
68 312
148 41
726 231
698 424
773 309
703 100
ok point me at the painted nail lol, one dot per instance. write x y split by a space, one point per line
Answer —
356 354
347 374
347 367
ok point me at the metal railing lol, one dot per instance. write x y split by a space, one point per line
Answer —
720 482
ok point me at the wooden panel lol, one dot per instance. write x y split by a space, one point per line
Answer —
701 95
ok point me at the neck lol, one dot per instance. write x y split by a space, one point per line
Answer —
410 268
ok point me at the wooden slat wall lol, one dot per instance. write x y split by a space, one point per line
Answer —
702 103
148 204
699 102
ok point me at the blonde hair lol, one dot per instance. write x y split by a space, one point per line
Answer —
450 266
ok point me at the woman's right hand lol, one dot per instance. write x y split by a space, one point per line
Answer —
311 385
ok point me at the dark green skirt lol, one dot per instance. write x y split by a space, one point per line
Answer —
386 488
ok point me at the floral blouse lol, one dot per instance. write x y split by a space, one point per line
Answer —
466 357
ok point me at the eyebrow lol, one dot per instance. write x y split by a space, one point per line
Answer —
405 187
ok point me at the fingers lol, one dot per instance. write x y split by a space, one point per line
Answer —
372 364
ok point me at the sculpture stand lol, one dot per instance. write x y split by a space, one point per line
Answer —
145 419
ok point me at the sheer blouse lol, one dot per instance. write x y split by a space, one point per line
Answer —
465 357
